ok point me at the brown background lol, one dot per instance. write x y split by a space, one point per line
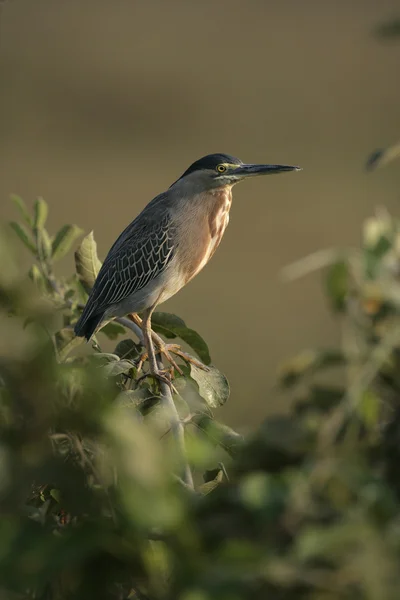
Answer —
104 103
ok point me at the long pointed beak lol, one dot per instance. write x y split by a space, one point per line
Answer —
253 170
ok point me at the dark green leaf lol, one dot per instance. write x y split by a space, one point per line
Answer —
337 285
24 235
382 157
112 330
86 261
171 326
128 349
213 385
64 239
41 211
20 204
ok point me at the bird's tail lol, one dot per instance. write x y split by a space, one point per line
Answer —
87 324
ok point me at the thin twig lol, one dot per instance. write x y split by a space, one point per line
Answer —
177 428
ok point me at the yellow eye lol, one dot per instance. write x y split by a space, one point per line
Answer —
221 168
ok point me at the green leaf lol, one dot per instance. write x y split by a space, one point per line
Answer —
64 239
337 285
219 434
56 494
211 484
112 330
41 210
118 367
171 326
66 341
20 204
87 262
128 349
24 236
213 385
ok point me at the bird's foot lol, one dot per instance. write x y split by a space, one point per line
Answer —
163 376
163 350
168 349
176 349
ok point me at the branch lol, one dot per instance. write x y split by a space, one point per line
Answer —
177 428
132 326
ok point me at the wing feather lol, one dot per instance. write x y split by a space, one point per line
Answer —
139 255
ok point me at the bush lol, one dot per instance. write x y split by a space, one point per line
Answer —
95 501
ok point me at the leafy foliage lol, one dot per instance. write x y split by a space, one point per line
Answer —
91 496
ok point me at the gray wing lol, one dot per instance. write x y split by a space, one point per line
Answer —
141 253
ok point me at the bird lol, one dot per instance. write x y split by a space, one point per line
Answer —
164 247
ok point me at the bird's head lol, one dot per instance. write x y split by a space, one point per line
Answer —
219 170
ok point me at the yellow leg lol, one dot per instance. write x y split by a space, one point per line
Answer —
167 349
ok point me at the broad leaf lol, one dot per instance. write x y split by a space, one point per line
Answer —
128 349
118 367
171 326
86 261
213 385
64 239
112 330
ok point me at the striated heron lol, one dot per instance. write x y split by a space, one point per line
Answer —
167 244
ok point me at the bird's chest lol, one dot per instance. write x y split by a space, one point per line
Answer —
218 220
206 230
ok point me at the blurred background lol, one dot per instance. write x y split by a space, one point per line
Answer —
104 103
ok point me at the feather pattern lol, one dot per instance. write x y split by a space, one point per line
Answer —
140 254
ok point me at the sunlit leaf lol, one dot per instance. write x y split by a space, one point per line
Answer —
213 385
64 239
87 262
171 326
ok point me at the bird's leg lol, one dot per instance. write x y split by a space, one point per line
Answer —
161 346
148 342
167 349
